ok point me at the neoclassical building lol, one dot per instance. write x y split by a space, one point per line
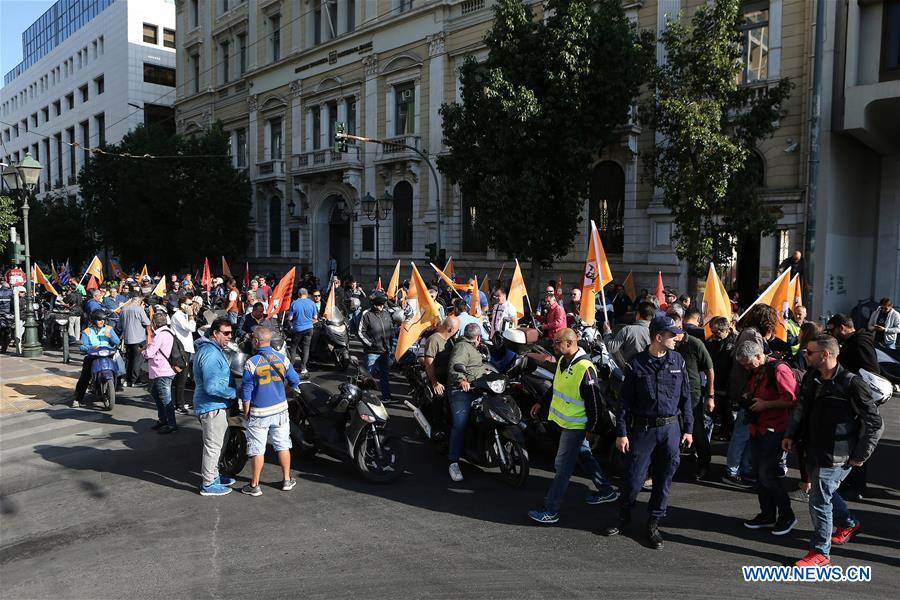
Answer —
280 73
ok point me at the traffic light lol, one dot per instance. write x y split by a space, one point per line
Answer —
16 253
340 143
432 252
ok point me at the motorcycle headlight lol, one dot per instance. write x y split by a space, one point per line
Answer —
495 416
498 386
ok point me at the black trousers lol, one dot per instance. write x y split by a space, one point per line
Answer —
178 383
84 379
133 362
701 442
302 340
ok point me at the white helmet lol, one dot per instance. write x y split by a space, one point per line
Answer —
515 340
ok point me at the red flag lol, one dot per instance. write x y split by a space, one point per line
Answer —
246 275
660 291
206 280
378 285
559 290
92 284
281 297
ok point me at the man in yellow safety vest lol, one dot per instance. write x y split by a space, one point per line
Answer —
578 409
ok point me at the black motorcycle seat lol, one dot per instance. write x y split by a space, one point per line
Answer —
316 398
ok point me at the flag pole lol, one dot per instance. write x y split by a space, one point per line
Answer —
603 299
531 311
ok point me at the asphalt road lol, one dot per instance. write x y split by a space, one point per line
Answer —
94 505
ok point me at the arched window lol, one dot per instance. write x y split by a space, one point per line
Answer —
472 238
607 207
403 214
274 226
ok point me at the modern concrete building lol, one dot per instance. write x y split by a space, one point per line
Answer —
91 71
279 73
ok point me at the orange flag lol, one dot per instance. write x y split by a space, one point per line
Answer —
475 300
449 281
96 269
37 276
517 291
226 272
394 283
715 303
91 284
160 289
596 275
144 272
628 284
281 297
206 279
425 313
776 296
795 293
485 285
328 313
450 270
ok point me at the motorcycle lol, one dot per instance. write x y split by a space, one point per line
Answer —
494 435
103 376
330 342
349 425
233 457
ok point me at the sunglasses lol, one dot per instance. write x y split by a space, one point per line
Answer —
316 296
228 333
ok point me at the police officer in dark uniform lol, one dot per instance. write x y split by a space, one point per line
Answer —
655 409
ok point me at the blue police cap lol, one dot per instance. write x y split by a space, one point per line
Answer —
659 324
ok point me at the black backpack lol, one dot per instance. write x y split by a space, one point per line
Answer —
772 365
177 357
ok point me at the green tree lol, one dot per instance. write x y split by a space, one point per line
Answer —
9 216
709 127
59 228
171 210
534 115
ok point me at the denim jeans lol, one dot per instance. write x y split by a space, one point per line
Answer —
739 460
823 498
380 365
767 453
161 392
703 424
573 449
460 407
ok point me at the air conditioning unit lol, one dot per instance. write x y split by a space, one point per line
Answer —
406 95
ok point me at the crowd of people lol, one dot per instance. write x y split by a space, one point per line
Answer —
687 383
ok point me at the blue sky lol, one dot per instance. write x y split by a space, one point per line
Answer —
15 17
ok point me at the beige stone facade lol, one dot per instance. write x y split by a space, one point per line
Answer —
385 68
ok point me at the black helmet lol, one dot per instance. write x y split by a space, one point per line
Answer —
379 298
98 315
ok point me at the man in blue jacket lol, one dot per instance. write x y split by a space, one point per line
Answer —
213 395
266 409
97 335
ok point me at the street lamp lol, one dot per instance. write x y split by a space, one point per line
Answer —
377 210
23 178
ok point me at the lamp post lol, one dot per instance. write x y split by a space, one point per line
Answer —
377 210
23 178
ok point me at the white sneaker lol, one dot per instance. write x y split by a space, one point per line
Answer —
455 473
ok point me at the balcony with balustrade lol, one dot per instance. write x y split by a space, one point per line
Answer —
325 160
398 149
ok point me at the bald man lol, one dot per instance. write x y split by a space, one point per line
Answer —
266 408
579 411
434 345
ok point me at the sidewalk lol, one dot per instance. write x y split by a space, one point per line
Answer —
34 383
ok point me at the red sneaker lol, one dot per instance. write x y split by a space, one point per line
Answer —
842 535
813 558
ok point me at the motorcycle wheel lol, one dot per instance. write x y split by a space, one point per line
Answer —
393 458
517 473
234 452
300 436
342 360
108 391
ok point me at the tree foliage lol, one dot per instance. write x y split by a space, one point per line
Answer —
536 113
709 128
59 228
8 217
167 211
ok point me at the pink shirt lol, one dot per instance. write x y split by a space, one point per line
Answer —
157 353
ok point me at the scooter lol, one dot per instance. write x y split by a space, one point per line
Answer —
349 425
494 435
103 376
330 342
